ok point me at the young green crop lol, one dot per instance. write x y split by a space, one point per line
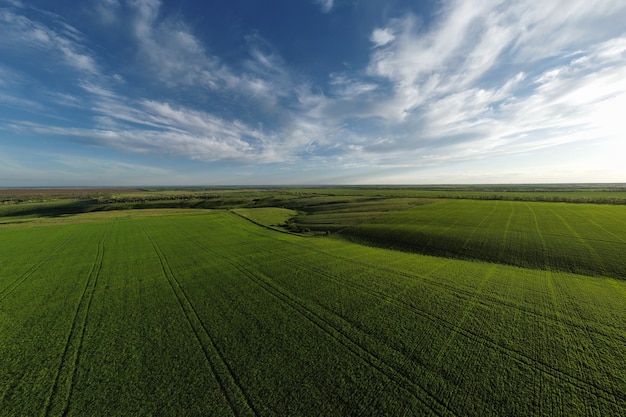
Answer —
580 238
206 313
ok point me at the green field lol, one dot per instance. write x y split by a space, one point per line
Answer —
581 238
176 312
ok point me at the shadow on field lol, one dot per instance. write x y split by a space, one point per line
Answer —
68 208
56 209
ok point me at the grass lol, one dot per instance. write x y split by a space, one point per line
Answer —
189 312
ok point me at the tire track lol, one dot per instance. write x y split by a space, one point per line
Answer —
546 368
344 338
473 299
461 293
399 220
58 402
471 335
471 303
604 229
574 310
505 234
478 226
582 384
229 385
6 291
352 344
451 224
544 245
549 283
592 251
607 393
488 300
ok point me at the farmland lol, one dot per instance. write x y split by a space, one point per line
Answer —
409 306
583 238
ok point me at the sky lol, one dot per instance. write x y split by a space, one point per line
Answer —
311 92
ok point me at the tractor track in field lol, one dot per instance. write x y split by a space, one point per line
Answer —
381 365
591 354
478 226
505 235
604 229
448 227
467 310
582 384
343 337
398 224
6 291
63 386
590 249
574 308
473 299
229 384
548 276
462 293
609 395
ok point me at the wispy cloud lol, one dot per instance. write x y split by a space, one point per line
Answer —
171 52
465 87
162 127
18 31
155 127
107 11
326 5
178 58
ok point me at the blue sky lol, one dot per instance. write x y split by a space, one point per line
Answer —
250 92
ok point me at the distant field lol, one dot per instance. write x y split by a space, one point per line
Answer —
581 238
575 193
196 312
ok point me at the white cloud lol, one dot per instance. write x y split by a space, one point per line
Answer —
461 87
382 37
349 89
18 102
472 39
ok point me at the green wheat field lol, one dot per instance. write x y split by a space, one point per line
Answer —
313 302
